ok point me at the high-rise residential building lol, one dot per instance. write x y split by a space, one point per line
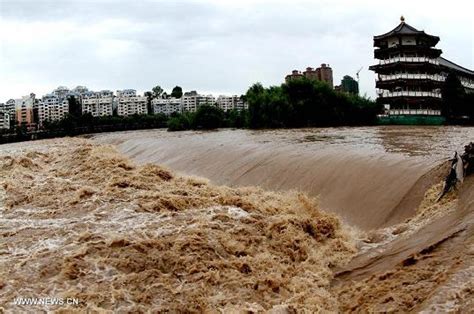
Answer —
4 120
76 92
324 74
411 71
227 103
241 105
126 93
311 74
62 92
129 103
80 90
295 74
191 101
9 108
166 106
98 103
52 108
24 110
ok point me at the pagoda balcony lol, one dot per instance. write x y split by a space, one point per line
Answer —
409 76
424 50
389 94
423 112
467 83
409 59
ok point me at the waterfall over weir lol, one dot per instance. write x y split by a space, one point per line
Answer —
371 177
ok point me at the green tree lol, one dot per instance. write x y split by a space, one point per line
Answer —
236 119
149 97
256 98
208 117
180 122
157 91
468 106
177 92
453 96
21 131
75 108
306 103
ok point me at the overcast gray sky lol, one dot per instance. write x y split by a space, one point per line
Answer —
209 45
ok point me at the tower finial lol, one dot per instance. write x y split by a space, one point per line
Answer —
402 19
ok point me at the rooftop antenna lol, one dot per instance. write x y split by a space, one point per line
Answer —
357 74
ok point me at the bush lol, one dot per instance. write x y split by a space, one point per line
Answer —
208 117
178 123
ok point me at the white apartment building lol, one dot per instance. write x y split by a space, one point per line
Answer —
80 90
129 103
98 103
192 101
241 105
9 108
52 108
234 102
227 103
62 92
4 120
166 106
126 93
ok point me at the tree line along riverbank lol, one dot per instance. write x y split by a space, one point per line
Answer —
294 104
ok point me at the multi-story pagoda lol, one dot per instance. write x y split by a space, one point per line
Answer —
411 73
408 75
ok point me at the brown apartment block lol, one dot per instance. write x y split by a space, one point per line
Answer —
24 110
294 74
311 74
323 73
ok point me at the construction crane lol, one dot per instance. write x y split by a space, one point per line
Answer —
357 74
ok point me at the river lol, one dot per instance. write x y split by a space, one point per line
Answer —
361 173
235 225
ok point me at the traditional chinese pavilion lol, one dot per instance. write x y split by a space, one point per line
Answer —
411 72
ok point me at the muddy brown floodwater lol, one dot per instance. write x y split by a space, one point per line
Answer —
280 221
362 174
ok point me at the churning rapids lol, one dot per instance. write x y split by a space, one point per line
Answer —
281 221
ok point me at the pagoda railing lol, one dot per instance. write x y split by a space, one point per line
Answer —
410 76
468 84
409 59
427 112
388 94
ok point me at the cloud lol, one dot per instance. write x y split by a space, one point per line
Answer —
210 46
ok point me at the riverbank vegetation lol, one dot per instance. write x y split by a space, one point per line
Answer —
295 104
457 105
307 103
73 125
208 117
